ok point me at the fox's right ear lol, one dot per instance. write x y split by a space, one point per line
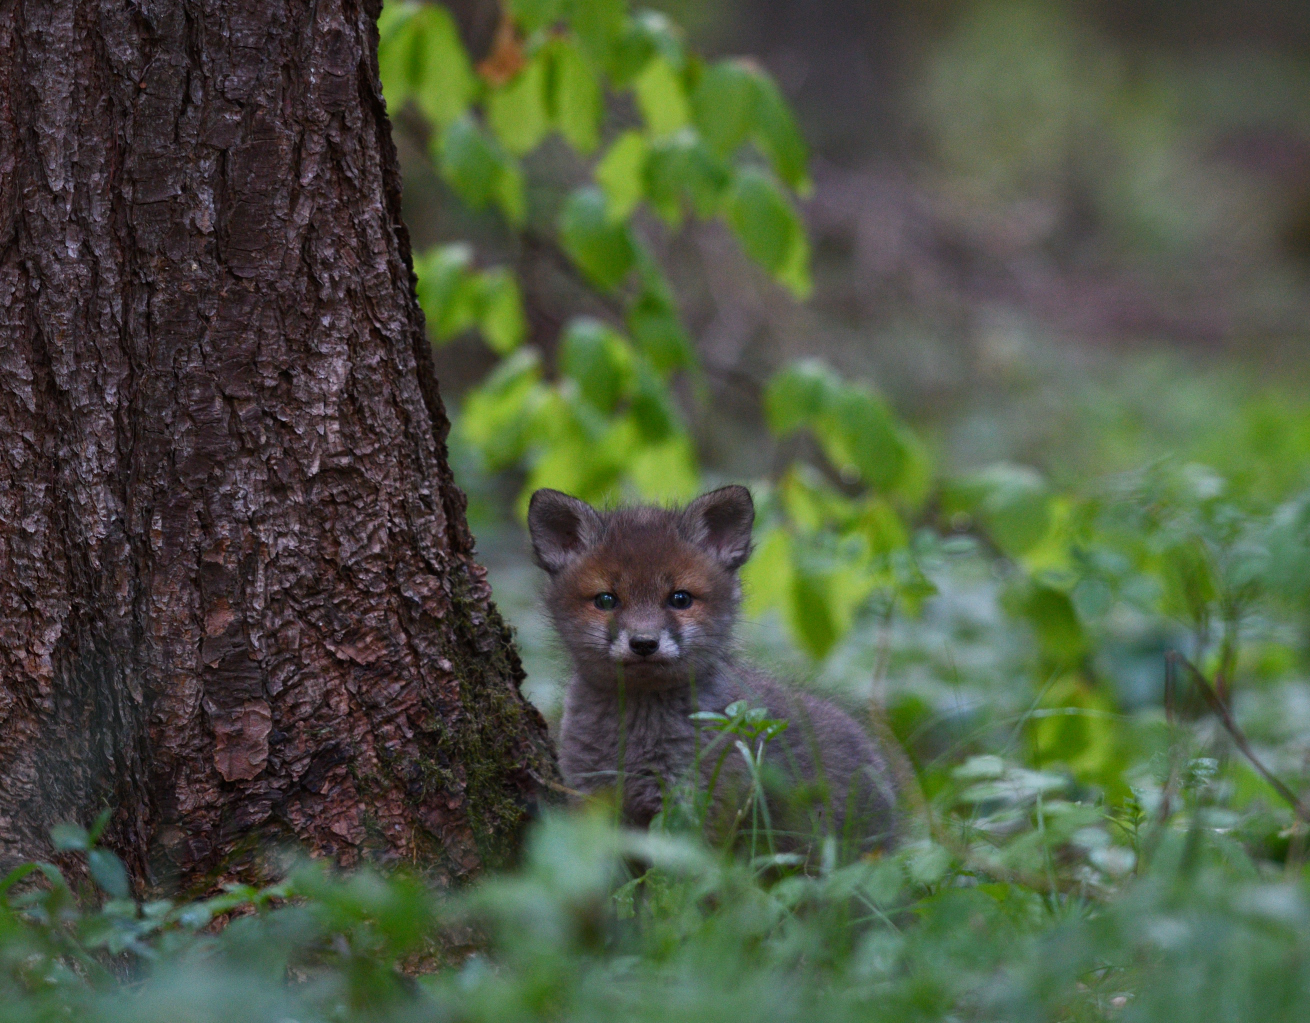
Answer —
561 527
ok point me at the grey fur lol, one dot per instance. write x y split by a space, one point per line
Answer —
642 705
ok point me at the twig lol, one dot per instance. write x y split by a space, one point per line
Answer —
1239 737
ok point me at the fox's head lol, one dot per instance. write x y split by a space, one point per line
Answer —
644 595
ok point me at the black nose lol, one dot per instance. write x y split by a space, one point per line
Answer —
643 646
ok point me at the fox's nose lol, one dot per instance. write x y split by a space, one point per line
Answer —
643 646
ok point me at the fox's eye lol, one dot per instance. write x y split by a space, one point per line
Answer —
606 601
680 599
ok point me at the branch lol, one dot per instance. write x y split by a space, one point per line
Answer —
1225 716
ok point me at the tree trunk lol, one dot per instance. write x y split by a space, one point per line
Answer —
238 596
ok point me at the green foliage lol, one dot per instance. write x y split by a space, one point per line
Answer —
601 421
1026 905
457 298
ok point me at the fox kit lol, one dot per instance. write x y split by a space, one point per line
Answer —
645 601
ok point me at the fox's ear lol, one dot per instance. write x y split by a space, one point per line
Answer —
562 527
720 522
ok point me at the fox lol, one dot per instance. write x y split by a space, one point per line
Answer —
645 600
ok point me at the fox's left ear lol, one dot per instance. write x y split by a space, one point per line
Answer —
720 522
562 528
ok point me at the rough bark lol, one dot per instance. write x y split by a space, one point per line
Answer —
238 594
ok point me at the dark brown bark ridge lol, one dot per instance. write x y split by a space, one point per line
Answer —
238 595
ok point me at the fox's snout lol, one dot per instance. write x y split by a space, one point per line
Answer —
644 645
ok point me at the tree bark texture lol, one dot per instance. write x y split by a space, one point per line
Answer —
238 594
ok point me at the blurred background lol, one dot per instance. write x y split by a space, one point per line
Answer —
1069 236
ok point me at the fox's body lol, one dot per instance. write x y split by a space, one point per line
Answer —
645 600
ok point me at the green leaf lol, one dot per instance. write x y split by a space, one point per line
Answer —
654 323
1075 725
733 101
598 360
860 435
666 470
798 394
445 292
778 137
647 34
13 877
399 58
652 405
926 863
767 577
603 250
724 105
496 415
470 162
769 229
533 15
443 82
479 171
109 874
1013 503
1054 619
69 837
621 174
576 102
794 274
659 333
811 614
99 824
517 111
511 194
599 24
661 98
679 165
502 321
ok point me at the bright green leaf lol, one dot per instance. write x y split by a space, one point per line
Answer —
511 193
767 577
496 415
621 174
665 471
502 320
398 52
448 299
646 35
576 102
517 111
443 83
661 98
